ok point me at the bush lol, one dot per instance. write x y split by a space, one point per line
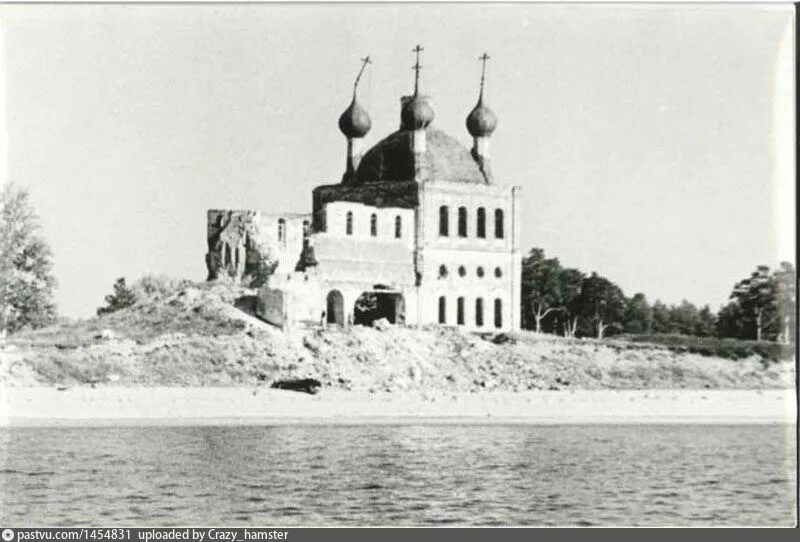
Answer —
161 285
719 347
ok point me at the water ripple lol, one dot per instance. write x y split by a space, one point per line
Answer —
400 475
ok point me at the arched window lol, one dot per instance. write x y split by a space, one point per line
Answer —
479 272
398 227
462 271
499 231
444 221
460 311
281 230
373 225
498 313
462 221
442 271
442 310
479 312
481 223
349 225
498 272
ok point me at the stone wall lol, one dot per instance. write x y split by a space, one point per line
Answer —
245 245
271 306
377 194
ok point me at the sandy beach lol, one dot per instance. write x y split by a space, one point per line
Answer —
47 406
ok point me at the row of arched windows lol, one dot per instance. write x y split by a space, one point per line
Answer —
373 225
480 226
282 229
460 319
462 271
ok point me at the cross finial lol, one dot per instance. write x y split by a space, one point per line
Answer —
364 61
483 58
417 67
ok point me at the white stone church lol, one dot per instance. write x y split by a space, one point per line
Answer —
418 231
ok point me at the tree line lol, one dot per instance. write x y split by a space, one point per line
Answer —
566 301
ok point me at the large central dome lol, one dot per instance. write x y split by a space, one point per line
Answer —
445 159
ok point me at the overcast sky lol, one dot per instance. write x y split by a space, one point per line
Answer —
653 144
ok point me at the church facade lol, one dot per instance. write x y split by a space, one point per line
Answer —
418 231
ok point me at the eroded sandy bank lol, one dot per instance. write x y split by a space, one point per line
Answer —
43 406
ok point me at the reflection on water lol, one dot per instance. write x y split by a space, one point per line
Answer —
407 475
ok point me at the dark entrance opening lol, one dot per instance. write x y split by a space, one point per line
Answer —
379 303
335 308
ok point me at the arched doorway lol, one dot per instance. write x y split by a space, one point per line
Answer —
335 308
379 303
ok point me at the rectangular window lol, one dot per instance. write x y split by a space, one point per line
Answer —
460 311
498 313
479 312
442 310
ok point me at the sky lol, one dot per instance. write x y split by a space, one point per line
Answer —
654 144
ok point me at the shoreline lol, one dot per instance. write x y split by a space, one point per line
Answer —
174 406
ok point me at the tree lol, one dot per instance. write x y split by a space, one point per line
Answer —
757 299
684 318
540 288
786 293
571 283
730 321
602 303
706 323
122 297
26 269
638 317
662 321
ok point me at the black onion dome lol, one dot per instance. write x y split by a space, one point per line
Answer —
355 121
481 121
417 113
445 159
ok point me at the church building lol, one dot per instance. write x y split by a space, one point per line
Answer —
418 231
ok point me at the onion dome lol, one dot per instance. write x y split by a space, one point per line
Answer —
481 121
355 121
417 113
392 160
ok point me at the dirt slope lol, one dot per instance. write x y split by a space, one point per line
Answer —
198 337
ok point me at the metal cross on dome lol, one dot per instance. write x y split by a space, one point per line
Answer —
483 58
417 67
364 61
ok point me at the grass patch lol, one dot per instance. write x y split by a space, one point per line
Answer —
188 309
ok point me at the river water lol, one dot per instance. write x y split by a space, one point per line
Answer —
399 475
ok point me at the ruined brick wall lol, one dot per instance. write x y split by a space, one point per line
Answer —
249 245
271 306
377 194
